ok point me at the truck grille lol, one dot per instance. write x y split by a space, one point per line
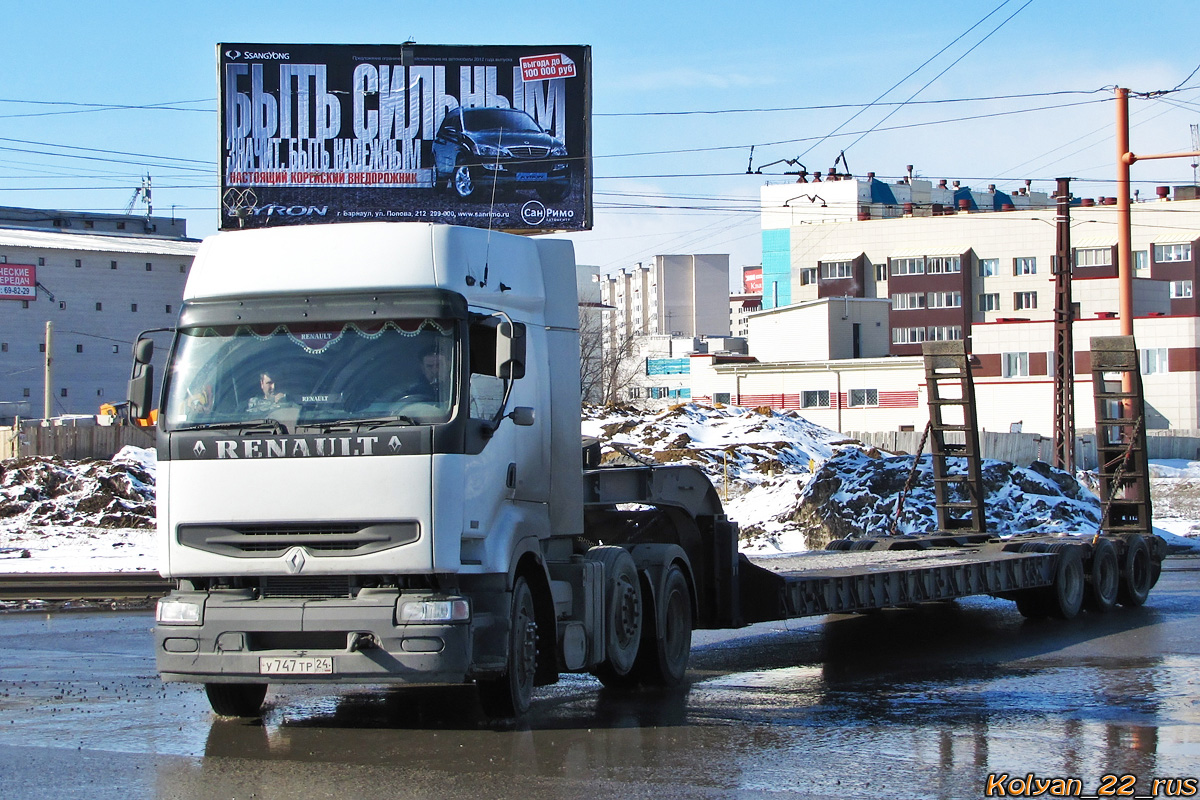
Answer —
309 587
324 539
529 152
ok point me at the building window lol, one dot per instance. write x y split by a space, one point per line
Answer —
1181 289
41 347
864 397
116 348
808 276
62 305
721 398
120 226
939 265
149 267
78 262
41 261
89 224
62 392
989 301
881 272
78 348
24 304
818 398
133 306
1141 259
1093 257
1154 360
1024 300
112 265
168 308
1015 365
944 333
944 300
99 393
3 347
99 306
1172 252
833 270
989 267
25 393
908 300
908 335
908 266
1026 265
183 267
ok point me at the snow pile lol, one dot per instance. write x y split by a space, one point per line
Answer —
48 490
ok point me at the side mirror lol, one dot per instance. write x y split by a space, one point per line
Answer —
141 381
510 351
522 416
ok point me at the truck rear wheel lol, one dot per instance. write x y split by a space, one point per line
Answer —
1104 577
622 615
1137 575
667 641
509 694
1065 597
236 699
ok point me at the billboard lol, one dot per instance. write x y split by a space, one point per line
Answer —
18 282
487 136
752 280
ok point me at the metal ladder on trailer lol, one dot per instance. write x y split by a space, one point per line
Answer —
952 411
1124 464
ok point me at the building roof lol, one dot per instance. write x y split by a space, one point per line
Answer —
54 240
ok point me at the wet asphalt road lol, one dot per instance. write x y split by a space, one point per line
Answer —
908 704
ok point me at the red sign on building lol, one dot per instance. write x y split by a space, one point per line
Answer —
18 282
752 280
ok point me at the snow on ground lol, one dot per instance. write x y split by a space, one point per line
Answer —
788 483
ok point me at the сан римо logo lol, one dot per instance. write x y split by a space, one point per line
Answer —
533 213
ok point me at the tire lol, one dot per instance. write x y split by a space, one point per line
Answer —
236 699
462 182
1137 574
509 694
1104 578
839 544
1064 598
667 640
622 615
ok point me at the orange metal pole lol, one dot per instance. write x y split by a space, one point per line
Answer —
1124 216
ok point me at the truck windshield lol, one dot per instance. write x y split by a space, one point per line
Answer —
291 375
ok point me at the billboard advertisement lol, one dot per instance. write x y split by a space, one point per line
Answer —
487 136
752 280
18 282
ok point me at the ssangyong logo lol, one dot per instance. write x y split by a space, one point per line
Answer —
533 213
269 55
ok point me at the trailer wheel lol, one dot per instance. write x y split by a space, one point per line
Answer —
1064 597
622 615
510 694
667 641
1136 573
236 699
1104 578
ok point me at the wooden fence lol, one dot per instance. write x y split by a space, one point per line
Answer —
75 439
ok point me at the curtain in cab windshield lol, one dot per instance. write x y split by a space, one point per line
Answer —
311 373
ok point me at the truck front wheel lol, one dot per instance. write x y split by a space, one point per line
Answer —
236 699
509 695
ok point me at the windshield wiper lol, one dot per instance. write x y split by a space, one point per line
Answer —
274 424
371 423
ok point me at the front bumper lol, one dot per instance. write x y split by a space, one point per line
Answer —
359 635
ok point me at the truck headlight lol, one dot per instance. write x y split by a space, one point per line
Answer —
178 611
454 609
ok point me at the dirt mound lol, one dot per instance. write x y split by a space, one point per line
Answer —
48 490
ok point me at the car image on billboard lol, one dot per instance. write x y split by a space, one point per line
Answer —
481 151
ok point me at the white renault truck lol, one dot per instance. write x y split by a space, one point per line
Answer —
371 471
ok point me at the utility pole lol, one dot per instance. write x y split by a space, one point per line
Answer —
48 392
1064 344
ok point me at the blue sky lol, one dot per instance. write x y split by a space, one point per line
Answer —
647 57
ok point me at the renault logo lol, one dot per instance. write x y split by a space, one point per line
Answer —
294 560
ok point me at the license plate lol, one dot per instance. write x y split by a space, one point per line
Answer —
276 665
531 176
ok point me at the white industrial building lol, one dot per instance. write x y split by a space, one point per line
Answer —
100 279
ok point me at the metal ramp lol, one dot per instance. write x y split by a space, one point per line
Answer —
953 433
1124 465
